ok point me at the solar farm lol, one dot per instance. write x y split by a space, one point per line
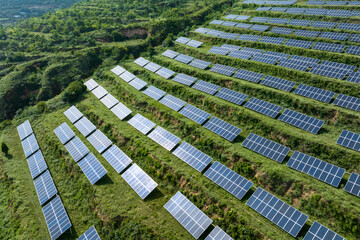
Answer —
249 121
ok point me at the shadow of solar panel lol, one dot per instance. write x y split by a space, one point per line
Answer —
230 47
338 13
314 93
92 168
184 59
278 20
139 181
99 92
99 141
229 24
117 158
165 73
218 234
118 70
331 47
109 101
73 114
194 43
37 164
261 28
231 96
154 93
24 130
30 145
164 138
348 102
170 54
298 43
232 36
56 218
138 84
184 79
249 75
296 10
85 126
302 121
127 76
206 87
183 40
282 30
293 64
277 211
263 107
320 24
247 37
172 102
335 36
64 133
349 140
306 33
192 156
353 50
199 64
349 26
353 185
77 149
45 187
260 19
272 40
229 180
316 168
141 123
141 61
297 22
354 77
222 128
91 84
188 215
90 234
153 67
195 114
240 55
266 147
121 111
278 83
320 232
219 50
222 69
244 25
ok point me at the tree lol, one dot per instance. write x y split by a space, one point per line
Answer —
74 90
4 148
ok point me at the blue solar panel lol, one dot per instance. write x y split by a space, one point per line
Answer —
222 128
199 64
277 211
353 184
30 145
192 156
279 30
298 43
335 36
77 149
154 93
314 93
99 141
231 96
278 83
172 102
92 168
183 58
195 114
249 75
228 180
85 126
141 123
184 79
302 121
353 50
164 138
316 168
247 37
263 107
306 33
73 114
320 232
90 234
121 111
218 50
240 55
272 40
266 147
64 133
37 164
354 77
331 47
349 140
45 187
222 69
24 129
206 87
348 102
117 158
218 234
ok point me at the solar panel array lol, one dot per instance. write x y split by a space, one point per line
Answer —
92 168
195 114
99 141
263 107
353 184
317 11
218 234
164 138
320 232
117 158
188 215
90 234
222 128
192 156
349 140
141 123
302 121
45 187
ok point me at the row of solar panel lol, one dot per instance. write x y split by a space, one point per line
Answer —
333 3
313 11
290 2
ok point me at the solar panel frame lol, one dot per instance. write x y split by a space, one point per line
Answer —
172 102
320 232
195 114
92 168
184 79
24 130
73 114
141 61
206 87
141 123
45 187
200 64
349 139
76 149
99 92
109 101
349 102
64 133
218 234
91 84
30 145
138 84
117 158
231 96
37 164
154 93
301 121
164 138
85 126
314 93
278 83
90 234
353 184
99 141
165 72
192 156
263 107
222 128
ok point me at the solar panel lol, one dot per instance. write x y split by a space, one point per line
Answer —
249 75
263 107
199 64
117 70
316 11
353 50
316 168
278 9
109 101
353 184
45 187
349 140
279 30
263 9
73 114
314 93
242 17
92 168
206 87
24 129
266 59
188 215
77 149
244 25
214 32
329 71
90 234
298 43
194 43
293 64
348 102
296 10
184 79
260 19
91 84
141 61
320 232
218 234
117 158
302 121
305 60
121 111
225 70
321 24
202 30
127 76
219 50
183 40
170 54
141 123
349 26
261 28
231 96
99 92
172 102
232 16
184 59
37 164
266 147
138 84
232 36
30 145
64 133
192 156
230 47
316 2
277 211
85 126
335 36
195 114
99 141
354 77
165 73
272 40
278 20
138 180
247 37
164 138
240 55
297 22
154 93
56 218
336 3
331 47
306 33
338 13
229 180
229 24
153 67
278 83
222 128
354 3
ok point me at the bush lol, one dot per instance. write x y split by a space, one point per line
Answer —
73 91
41 106
4 148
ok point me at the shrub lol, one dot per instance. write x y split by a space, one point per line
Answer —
73 91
